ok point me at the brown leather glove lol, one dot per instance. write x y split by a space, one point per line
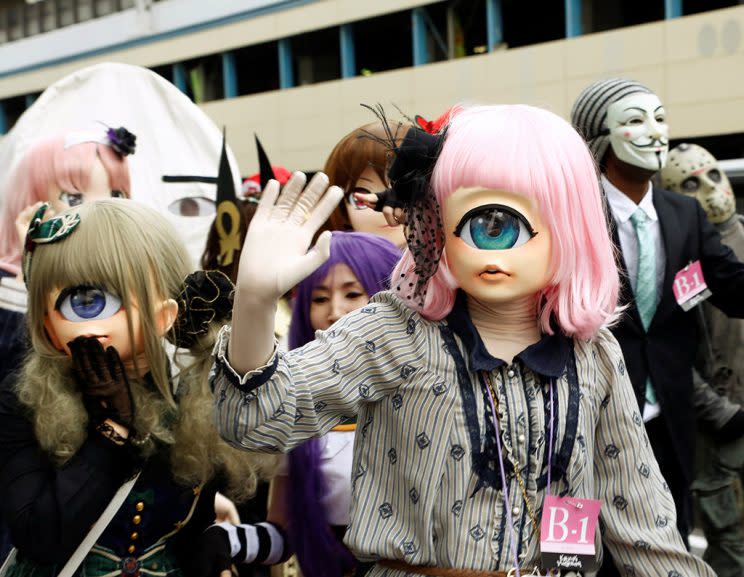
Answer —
102 380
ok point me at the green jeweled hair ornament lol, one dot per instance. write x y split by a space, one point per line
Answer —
45 232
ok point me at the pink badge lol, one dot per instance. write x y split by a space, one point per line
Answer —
689 286
567 533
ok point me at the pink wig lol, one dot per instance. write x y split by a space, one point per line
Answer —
536 153
48 163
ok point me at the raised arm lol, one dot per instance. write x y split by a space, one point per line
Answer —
364 357
275 258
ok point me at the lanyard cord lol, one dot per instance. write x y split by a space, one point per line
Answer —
507 500
551 432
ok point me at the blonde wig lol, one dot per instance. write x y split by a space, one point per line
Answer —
133 252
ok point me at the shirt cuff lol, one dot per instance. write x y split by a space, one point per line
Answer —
250 380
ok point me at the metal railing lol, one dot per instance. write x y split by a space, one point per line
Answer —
22 19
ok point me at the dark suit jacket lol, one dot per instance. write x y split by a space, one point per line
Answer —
667 351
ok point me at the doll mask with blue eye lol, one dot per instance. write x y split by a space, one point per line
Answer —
494 227
87 303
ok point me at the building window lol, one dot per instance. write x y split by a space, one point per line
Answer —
257 68
32 18
166 71
104 7
48 15
383 43
204 78
65 12
599 15
454 29
467 27
14 22
13 108
439 45
316 56
23 18
523 27
696 6
84 10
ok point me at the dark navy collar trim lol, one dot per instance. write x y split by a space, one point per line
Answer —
547 357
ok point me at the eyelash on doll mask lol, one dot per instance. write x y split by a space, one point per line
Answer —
494 227
87 303
189 206
71 198
76 198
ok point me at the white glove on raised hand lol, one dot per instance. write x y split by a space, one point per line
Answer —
275 253
275 258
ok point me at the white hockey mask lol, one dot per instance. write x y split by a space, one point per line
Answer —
694 171
639 134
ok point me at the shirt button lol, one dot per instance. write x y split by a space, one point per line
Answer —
510 373
131 549
136 519
515 511
140 506
520 438
134 536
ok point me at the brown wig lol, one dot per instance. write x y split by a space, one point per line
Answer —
361 148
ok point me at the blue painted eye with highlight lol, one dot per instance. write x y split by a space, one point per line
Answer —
494 227
87 303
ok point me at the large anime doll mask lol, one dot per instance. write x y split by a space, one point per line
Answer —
88 308
178 146
497 247
694 171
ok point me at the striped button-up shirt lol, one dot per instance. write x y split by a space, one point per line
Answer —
426 485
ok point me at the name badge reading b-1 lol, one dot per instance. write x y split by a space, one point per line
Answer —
567 533
689 286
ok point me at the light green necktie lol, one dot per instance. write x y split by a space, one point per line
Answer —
645 288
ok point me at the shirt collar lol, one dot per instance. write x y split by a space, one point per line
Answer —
547 357
622 207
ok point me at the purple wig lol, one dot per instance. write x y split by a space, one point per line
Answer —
371 258
318 550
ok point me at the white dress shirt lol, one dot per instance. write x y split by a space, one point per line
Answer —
622 208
